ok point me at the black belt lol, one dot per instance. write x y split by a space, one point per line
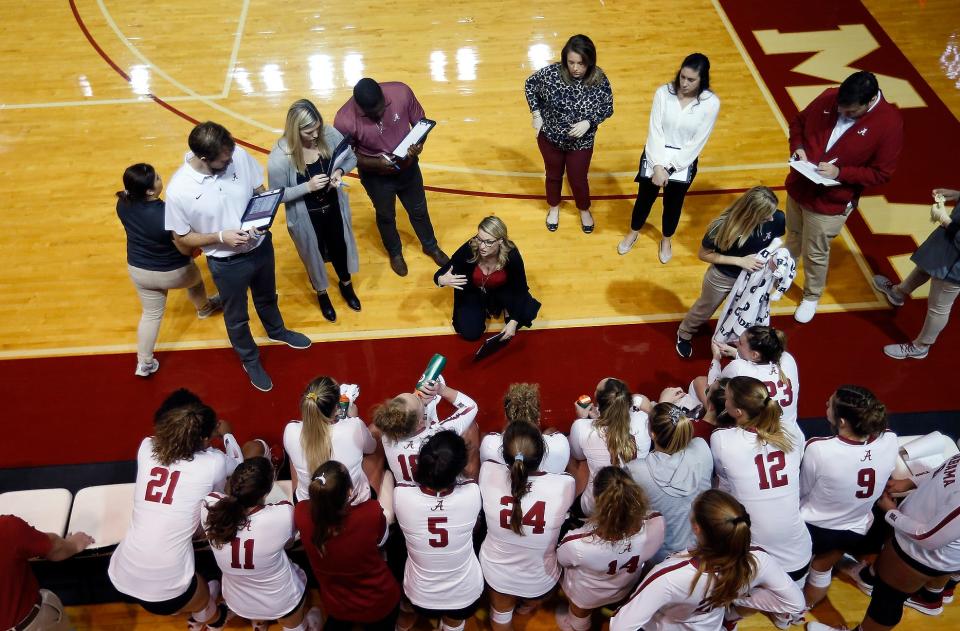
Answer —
224 259
30 617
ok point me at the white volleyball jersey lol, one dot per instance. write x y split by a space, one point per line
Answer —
402 454
154 561
766 481
259 580
590 444
524 566
786 392
350 440
556 457
927 523
442 571
598 572
669 600
841 479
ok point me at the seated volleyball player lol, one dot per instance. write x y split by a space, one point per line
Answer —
321 434
841 477
923 553
176 469
522 403
691 590
758 462
603 560
248 538
524 509
437 513
405 422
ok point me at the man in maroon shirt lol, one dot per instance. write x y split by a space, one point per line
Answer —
854 136
23 605
377 119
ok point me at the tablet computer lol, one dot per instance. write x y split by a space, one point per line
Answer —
416 135
261 209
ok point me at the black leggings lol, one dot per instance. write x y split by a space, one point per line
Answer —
673 194
333 248
385 624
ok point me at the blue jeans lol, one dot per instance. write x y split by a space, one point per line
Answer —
253 271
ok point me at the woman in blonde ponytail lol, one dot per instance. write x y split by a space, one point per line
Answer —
604 559
524 510
328 431
759 464
695 589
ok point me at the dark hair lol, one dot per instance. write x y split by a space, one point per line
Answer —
621 505
583 46
718 400
329 501
209 139
699 63
858 89
249 484
723 546
179 432
523 450
177 398
368 94
137 180
442 458
860 408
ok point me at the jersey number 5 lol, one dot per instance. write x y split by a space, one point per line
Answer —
159 478
776 477
434 527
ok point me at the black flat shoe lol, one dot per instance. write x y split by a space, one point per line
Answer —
326 307
586 229
349 295
552 227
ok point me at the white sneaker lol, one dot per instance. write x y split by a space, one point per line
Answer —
906 351
314 619
819 626
626 244
214 304
806 311
852 571
666 251
145 370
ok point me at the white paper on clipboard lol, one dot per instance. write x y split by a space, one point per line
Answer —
417 134
682 175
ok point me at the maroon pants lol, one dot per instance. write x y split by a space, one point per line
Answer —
576 163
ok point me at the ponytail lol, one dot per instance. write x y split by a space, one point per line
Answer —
621 505
329 492
860 408
614 402
522 403
138 179
760 412
723 546
523 450
179 432
317 408
672 430
770 344
249 484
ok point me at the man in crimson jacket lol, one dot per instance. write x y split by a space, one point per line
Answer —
854 136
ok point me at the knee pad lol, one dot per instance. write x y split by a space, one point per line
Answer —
886 604
819 579
501 617
460 627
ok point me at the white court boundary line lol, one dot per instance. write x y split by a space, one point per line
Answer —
95 102
778 115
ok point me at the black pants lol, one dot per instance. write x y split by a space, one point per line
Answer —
673 194
253 271
333 248
469 314
384 191
386 624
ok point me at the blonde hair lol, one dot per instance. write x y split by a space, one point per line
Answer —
522 403
317 407
303 114
672 429
760 412
495 227
614 402
394 419
735 224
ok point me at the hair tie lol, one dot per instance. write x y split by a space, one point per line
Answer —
319 477
675 412
312 396
741 519
766 401
518 458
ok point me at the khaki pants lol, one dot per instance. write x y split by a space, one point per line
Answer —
942 295
809 235
716 286
52 616
152 288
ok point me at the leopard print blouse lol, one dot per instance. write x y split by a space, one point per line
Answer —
562 106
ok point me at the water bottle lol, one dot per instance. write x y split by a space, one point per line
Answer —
433 369
343 406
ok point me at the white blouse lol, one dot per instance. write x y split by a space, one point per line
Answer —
677 135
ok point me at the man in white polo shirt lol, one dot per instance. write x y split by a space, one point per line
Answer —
206 198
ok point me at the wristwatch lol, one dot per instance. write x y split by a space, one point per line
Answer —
671 170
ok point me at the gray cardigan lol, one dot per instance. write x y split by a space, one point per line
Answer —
281 172
939 255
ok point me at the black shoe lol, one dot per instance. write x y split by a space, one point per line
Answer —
398 265
326 307
586 229
259 378
684 348
350 296
438 256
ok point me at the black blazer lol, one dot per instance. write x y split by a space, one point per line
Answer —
513 296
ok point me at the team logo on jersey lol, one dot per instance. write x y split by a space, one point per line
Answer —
439 505
862 131
866 457
410 445
627 548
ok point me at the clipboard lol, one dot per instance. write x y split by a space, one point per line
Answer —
261 210
646 168
809 171
416 135
490 346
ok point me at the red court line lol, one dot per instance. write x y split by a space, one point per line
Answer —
433 189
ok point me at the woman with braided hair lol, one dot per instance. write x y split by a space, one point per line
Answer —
604 559
690 590
758 462
248 538
841 478
525 509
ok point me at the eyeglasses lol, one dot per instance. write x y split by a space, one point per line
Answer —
486 242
